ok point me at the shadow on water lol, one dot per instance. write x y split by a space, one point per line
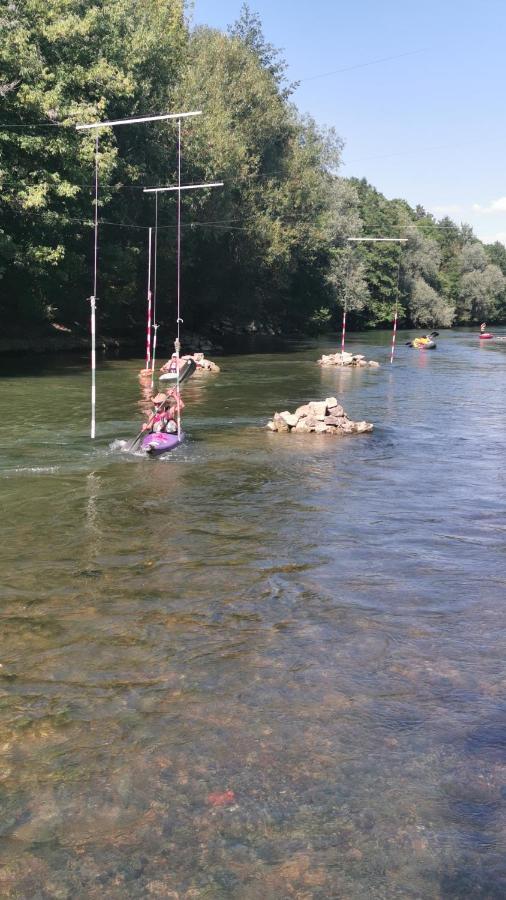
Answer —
263 666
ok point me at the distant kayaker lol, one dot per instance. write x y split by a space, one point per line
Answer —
483 327
171 366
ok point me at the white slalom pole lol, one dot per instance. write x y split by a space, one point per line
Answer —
155 324
137 120
93 301
93 369
177 342
148 331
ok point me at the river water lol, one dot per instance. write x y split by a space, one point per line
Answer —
266 666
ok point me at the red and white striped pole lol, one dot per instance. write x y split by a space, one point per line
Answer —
385 240
148 331
394 335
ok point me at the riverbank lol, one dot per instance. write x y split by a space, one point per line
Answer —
55 338
67 341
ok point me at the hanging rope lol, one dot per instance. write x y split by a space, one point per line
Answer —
148 330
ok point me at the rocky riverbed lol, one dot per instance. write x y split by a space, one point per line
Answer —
318 417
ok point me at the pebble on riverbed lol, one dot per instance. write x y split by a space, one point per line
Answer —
347 359
318 417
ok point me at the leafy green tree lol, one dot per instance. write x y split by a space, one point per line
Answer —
427 307
281 206
496 254
63 61
268 249
248 29
480 294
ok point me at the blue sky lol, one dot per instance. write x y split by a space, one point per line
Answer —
428 126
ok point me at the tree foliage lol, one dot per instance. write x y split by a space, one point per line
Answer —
270 248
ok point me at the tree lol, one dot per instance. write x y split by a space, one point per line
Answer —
480 293
496 254
472 258
421 257
281 207
427 307
248 29
64 61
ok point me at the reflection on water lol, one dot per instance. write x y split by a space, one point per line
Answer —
264 666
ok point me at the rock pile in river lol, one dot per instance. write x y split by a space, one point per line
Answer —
318 417
203 364
346 359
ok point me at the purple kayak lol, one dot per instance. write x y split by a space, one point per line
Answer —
156 444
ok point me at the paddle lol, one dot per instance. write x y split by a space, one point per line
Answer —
185 371
137 439
141 432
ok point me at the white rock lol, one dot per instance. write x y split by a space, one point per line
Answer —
319 409
303 411
290 418
280 423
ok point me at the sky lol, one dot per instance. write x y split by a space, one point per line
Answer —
419 100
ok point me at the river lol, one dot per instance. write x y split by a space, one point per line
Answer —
266 666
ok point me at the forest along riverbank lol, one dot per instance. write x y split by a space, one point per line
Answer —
262 661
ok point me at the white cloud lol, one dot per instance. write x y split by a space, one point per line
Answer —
497 206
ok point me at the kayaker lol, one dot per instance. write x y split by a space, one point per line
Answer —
157 417
171 365
483 327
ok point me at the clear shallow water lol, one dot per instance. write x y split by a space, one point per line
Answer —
265 666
